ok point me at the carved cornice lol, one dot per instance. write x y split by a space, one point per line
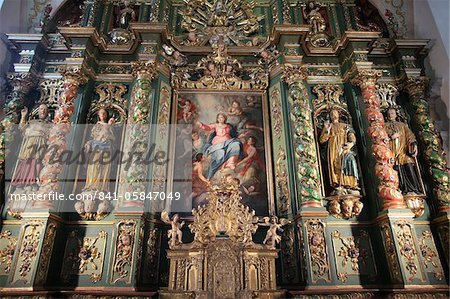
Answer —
367 77
73 74
294 73
144 70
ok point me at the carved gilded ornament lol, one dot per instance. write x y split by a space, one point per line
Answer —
224 214
231 20
281 179
294 73
391 252
220 71
7 250
388 188
288 254
123 256
277 124
46 253
50 91
144 70
110 98
431 141
408 251
28 250
429 254
351 252
152 254
307 165
163 116
318 257
84 256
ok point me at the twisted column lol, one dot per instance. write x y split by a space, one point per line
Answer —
57 143
138 130
432 146
307 166
388 189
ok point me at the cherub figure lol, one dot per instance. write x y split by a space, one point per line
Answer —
272 238
187 111
174 57
175 234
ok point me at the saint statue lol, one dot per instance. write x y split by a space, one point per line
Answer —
341 159
126 15
313 16
100 150
32 151
403 145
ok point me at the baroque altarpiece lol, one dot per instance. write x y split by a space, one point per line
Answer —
316 168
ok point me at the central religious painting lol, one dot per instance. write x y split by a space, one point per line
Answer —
227 138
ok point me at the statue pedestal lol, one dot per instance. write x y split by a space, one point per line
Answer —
222 269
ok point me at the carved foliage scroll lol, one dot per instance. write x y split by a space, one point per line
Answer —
318 257
84 256
8 244
279 140
28 251
123 256
353 255
409 254
430 256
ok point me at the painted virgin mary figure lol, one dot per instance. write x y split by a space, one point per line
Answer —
342 167
222 146
100 150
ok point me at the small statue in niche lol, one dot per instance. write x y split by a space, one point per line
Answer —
126 15
317 35
98 175
403 145
26 175
272 238
313 16
121 35
175 234
100 150
369 19
35 133
341 159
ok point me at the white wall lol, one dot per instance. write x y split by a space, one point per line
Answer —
431 21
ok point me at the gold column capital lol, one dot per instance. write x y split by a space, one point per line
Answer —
293 73
144 70
22 82
73 74
366 77
416 85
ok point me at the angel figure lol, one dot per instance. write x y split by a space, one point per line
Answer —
174 57
175 234
272 236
